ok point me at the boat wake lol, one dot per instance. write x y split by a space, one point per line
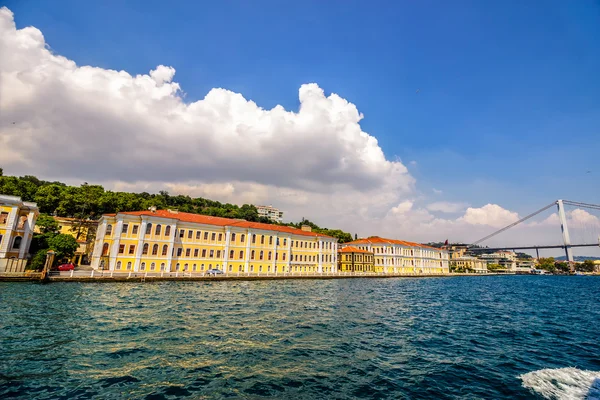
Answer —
564 383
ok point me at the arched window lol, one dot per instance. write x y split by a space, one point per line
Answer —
105 249
241 254
162 266
262 239
155 249
253 238
108 230
1 238
143 266
177 267
252 255
118 264
283 257
233 237
17 242
284 242
185 267
242 238
231 253
157 229
165 249
148 229
129 265
152 266
168 231
194 267
269 256
145 248
240 268
261 255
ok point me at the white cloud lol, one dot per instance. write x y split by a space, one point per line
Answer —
446 207
402 208
437 191
491 215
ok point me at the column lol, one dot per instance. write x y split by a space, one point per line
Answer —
7 242
320 257
174 234
247 254
114 252
226 255
24 249
140 244
275 255
98 243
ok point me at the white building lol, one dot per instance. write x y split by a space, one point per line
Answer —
270 212
17 221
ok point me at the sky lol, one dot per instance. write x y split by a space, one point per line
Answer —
417 120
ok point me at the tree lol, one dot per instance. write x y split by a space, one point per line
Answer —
587 266
494 267
47 224
64 245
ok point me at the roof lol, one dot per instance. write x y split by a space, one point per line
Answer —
378 240
351 249
219 221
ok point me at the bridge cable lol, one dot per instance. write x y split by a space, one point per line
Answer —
513 224
584 205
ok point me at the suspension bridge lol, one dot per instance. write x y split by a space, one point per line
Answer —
591 227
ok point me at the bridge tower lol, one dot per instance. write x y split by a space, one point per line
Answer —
565 231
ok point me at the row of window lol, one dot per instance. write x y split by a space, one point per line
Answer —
16 245
359 258
194 268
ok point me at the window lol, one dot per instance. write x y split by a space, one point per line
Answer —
131 248
177 267
143 266
231 253
148 229
301 244
155 250
108 230
277 244
152 266
181 233
212 254
105 249
240 268
190 233
242 238
241 254
157 229
194 268
283 256
260 268
202 267
296 243
198 233
253 238
145 248
205 235
3 218
220 237
185 267
162 265
134 229
168 231
179 251
284 242
188 252
0 239
233 237
17 242
213 236
129 265
269 256
165 249
270 240
121 248
262 239
118 264
252 255
218 253
203 252
261 255
125 228
252 268
195 253
230 268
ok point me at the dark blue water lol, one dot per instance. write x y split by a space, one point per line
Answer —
439 338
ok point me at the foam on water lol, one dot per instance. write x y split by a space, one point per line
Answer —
564 383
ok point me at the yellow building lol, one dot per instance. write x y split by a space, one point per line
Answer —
17 222
353 259
462 262
170 241
83 231
401 257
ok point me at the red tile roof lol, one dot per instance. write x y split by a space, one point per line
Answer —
219 221
351 249
378 240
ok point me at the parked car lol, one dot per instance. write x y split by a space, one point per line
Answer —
214 271
66 267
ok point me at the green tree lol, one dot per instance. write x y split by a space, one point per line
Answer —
64 245
47 224
494 267
587 266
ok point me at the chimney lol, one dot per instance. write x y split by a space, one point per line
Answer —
152 209
306 228
172 211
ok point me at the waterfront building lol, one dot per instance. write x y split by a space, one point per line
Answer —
270 212
83 230
401 257
17 222
353 259
506 259
172 241
460 260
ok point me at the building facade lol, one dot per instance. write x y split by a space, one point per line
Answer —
270 212
171 241
506 259
83 231
17 222
392 256
353 259
460 260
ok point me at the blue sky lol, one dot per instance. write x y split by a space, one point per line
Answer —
508 103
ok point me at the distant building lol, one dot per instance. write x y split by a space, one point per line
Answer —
17 222
353 259
597 266
270 212
84 231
